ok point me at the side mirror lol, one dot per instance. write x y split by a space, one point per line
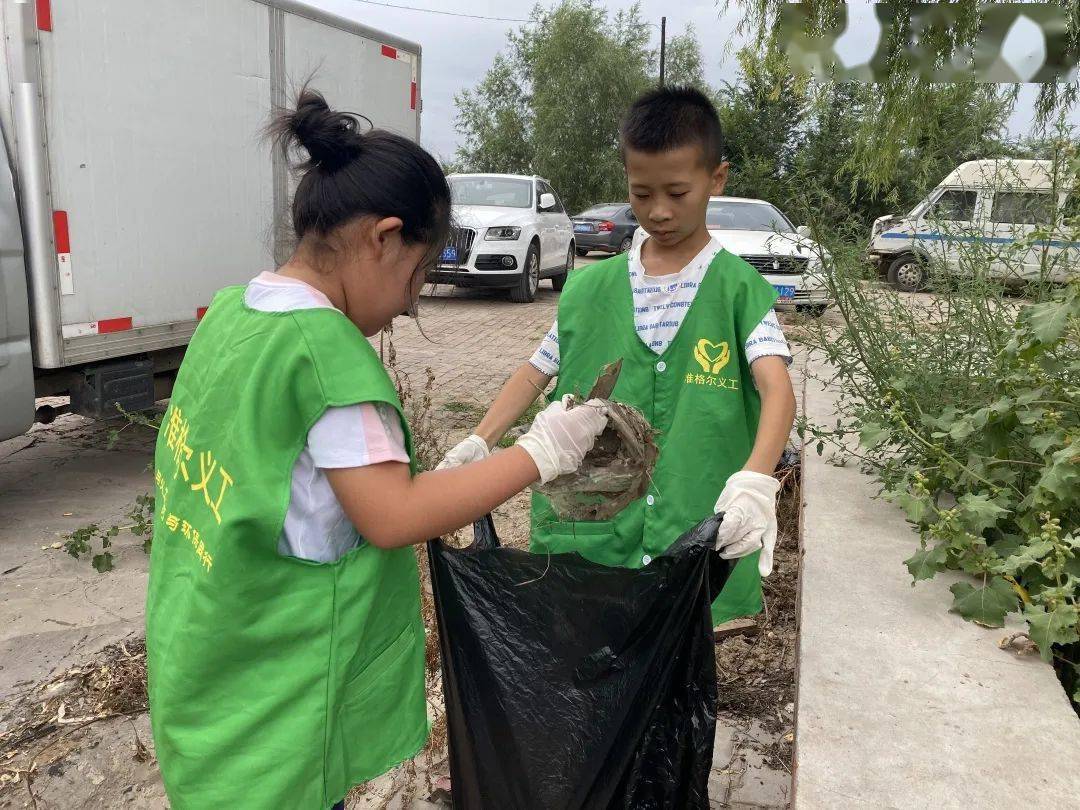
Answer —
803 230
547 201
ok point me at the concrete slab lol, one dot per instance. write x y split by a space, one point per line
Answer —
902 704
56 610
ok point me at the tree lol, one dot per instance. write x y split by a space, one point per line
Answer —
959 122
683 63
894 127
496 120
552 101
762 116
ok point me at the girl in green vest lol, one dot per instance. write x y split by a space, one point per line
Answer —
704 359
284 639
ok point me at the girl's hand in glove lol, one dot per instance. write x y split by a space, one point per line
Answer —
472 449
749 506
559 438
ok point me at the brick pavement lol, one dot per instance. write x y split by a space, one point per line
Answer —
472 340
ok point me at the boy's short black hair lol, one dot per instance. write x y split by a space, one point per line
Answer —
670 117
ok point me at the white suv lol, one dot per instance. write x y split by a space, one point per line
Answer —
509 232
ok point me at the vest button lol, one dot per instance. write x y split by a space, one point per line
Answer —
661 366
646 560
650 500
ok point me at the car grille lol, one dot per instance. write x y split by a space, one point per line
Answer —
462 239
778 265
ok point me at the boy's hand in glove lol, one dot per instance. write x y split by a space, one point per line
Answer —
749 506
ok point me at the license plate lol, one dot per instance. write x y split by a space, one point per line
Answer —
449 254
582 228
785 291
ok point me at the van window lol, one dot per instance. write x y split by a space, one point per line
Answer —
954 206
1022 208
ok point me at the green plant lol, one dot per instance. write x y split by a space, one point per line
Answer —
142 520
83 540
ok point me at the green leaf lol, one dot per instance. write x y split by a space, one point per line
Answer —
1030 396
1058 626
1063 475
987 605
1027 556
961 430
872 434
925 563
919 509
1048 320
979 512
1008 545
1044 442
1030 416
102 562
1002 406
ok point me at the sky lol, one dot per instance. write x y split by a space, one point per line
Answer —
458 50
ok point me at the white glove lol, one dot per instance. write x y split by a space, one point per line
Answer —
472 449
749 506
559 439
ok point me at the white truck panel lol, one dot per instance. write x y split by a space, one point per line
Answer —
153 113
146 131
357 75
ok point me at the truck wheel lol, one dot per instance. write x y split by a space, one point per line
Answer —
907 273
559 281
525 291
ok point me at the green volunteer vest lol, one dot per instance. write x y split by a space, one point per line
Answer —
699 396
274 682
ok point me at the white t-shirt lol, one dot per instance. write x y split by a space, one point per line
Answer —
660 306
316 527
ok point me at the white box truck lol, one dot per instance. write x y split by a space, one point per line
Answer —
134 181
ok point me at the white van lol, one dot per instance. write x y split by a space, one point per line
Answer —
986 205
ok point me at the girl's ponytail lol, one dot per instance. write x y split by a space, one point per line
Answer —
350 174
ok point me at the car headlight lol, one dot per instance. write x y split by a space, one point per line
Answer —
503 234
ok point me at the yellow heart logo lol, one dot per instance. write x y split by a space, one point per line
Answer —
712 356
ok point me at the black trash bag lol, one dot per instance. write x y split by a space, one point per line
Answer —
570 684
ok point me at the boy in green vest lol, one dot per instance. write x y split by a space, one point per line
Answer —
703 358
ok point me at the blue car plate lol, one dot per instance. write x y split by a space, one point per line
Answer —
582 228
449 254
785 291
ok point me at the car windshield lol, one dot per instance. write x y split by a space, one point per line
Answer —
726 215
602 212
505 192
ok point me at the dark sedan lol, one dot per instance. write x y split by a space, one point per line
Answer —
608 227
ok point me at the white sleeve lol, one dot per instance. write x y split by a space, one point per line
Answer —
357 436
546 359
767 340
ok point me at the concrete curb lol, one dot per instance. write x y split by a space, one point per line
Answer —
902 704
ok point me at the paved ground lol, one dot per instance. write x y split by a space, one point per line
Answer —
473 340
924 703
55 611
